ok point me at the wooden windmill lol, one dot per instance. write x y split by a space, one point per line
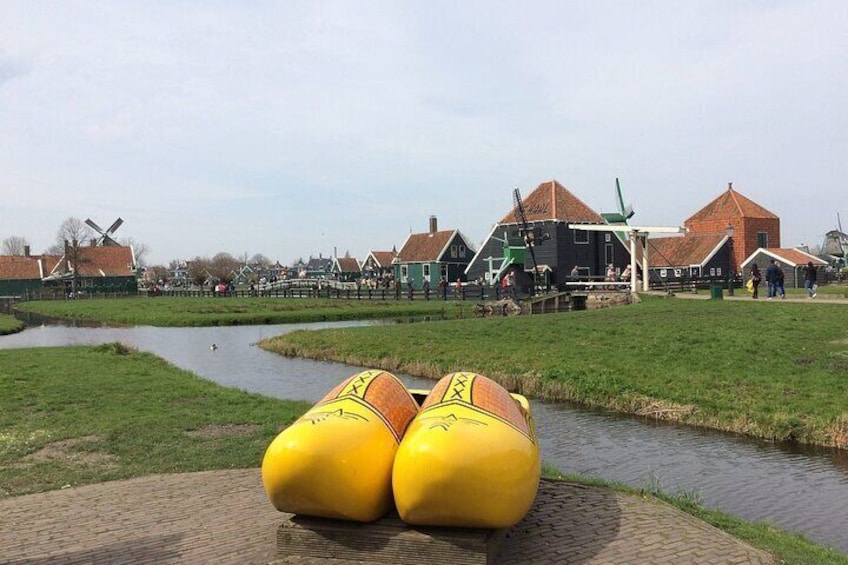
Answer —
106 238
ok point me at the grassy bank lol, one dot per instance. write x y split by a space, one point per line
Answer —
9 325
65 420
788 548
767 369
186 311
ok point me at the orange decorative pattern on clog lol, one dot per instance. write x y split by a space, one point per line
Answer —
382 393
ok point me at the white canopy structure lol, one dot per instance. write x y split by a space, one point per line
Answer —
635 233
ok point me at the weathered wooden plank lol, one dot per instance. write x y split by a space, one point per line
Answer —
388 540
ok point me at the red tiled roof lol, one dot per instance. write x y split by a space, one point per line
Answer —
19 267
690 249
348 264
552 201
107 261
731 204
425 246
383 258
793 256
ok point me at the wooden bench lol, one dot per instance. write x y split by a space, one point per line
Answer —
387 540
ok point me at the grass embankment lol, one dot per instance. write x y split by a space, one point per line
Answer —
767 369
229 311
9 325
788 548
66 421
81 415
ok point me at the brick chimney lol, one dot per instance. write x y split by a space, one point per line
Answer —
26 250
434 225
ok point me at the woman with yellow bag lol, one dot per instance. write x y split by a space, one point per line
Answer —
754 281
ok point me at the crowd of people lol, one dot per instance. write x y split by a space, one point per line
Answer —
775 278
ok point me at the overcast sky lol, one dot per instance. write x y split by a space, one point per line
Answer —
295 128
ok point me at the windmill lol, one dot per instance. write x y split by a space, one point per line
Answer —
527 233
836 243
106 238
624 212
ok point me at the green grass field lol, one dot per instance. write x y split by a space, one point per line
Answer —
9 324
768 369
80 415
181 311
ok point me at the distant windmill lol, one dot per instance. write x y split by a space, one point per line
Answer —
836 242
106 238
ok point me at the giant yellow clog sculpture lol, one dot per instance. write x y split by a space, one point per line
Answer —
336 460
469 458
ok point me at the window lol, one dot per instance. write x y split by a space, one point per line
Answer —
608 254
404 272
718 271
678 273
663 273
462 251
607 237
581 236
762 239
426 269
453 251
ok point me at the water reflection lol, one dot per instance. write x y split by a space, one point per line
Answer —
800 489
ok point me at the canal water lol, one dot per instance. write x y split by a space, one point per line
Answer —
803 490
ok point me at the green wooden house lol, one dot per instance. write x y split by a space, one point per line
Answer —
433 255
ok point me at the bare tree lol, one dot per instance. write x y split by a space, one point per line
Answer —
156 274
15 245
259 259
222 267
73 229
198 270
139 250
70 239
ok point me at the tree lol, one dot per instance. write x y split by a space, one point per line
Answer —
69 239
259 259
139 250
222 267
15 245
156 273
198 270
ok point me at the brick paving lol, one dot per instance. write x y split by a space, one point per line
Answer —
224 517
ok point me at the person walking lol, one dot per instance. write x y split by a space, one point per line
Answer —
781 290
756 277
771 278
810 279
443 286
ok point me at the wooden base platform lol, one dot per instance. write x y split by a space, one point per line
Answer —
388 540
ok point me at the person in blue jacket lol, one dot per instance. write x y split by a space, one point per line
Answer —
810 279
772 274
